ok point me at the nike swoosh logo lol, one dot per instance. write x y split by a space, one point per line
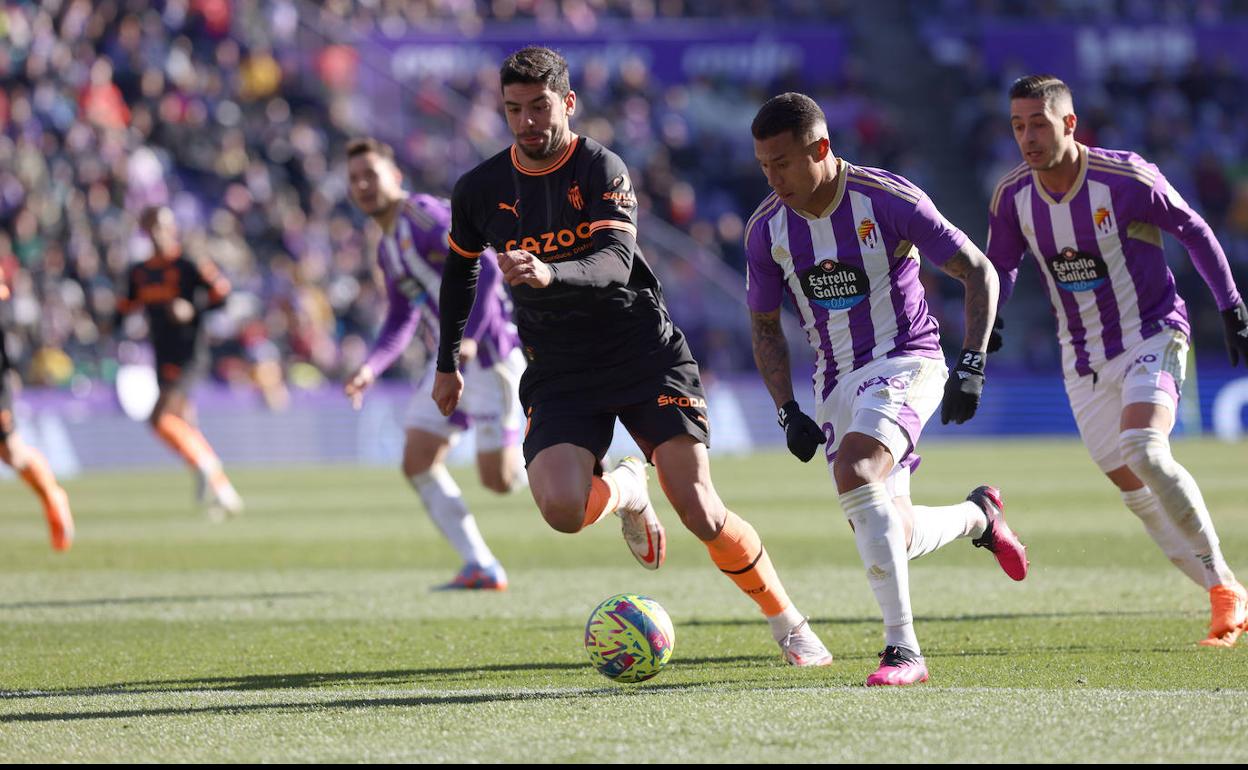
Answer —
650 554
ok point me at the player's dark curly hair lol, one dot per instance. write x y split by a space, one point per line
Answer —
788 112
1052 90
536 64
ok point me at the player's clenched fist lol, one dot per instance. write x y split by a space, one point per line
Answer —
802 434
447 388
1236 322
963 388
521 267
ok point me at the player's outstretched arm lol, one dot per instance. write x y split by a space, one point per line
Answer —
1172 214
966 381
771 356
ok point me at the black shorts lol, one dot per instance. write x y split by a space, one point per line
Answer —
179 372
656 407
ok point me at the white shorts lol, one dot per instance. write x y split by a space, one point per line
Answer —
490 404
889 399
1149 372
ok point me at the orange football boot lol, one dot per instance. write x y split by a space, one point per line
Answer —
1229 615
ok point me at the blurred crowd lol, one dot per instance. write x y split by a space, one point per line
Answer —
235 113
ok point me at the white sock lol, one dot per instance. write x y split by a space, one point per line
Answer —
936 527
445 504
632 489
784 622
1147 452
881 541
1144 504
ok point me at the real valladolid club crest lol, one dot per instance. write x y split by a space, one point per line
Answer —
1103 220
574 196
867 233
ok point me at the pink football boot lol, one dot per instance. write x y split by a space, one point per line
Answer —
898 666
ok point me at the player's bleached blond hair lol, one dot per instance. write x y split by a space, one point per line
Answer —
1056 94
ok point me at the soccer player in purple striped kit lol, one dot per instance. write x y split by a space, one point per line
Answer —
844 242
411 255
1093 220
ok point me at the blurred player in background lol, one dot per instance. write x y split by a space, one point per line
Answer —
561 210
175 293
411 254
844 242
1093 220
29 462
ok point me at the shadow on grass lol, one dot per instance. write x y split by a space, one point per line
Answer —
411 676
125 600
467 698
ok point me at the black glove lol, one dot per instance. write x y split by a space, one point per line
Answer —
1236 322
995 339
802 434
963 387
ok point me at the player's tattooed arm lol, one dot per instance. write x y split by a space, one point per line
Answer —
771 355
972 268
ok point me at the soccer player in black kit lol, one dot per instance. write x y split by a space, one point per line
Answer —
561 212
175 292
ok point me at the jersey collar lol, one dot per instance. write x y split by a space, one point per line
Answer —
554 166
842 172
1074 188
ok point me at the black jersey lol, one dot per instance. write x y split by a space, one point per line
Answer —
154 284
604 310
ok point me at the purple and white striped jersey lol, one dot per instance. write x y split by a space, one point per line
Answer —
852 271
1099 251
412 256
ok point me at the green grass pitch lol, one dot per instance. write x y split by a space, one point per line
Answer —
305 631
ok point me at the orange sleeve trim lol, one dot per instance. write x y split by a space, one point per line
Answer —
613 224
461 251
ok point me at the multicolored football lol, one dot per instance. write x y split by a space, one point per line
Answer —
629 638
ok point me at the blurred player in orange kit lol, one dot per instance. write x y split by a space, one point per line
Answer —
175 292
29 462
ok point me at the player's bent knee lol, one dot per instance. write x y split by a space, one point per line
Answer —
495 483
1146 450
416 465
851 474
498 479
564 513
563 518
